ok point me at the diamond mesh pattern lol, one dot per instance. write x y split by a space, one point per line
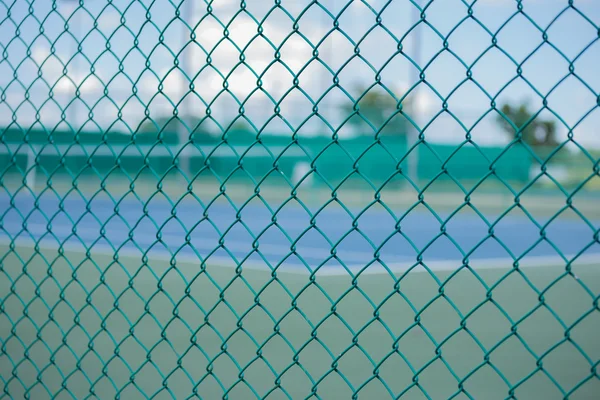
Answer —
158 240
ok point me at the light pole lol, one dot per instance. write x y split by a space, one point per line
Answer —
74 76
327 57
413 136
186 68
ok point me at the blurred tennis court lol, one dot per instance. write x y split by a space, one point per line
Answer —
164 299
293 235
149 327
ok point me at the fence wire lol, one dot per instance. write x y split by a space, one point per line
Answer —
222 199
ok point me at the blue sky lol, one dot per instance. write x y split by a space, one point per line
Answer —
34 41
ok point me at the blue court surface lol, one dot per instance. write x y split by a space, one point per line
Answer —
255 235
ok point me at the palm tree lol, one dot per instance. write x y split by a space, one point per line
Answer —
170 127
538 133
376 106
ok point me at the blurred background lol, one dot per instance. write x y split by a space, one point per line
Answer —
190 190
368 96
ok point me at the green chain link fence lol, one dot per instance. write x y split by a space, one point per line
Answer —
299 199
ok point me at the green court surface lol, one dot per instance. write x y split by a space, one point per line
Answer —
76 327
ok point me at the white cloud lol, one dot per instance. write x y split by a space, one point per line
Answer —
109 20
224 3
242 33
209 34
52 72
240 82
424 102
51 65
513 3
172 81
40 54
295 53
66 84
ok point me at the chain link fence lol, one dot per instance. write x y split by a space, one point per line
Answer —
299 199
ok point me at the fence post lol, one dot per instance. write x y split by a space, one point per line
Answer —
30 169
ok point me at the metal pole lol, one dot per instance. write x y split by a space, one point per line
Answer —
326 56
413 137
77 70
30 169
186 68
73 72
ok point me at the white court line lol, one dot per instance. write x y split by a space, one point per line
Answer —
296 269
475 264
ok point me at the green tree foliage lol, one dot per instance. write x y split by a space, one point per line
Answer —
241 125
169 127
379 108
538 133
